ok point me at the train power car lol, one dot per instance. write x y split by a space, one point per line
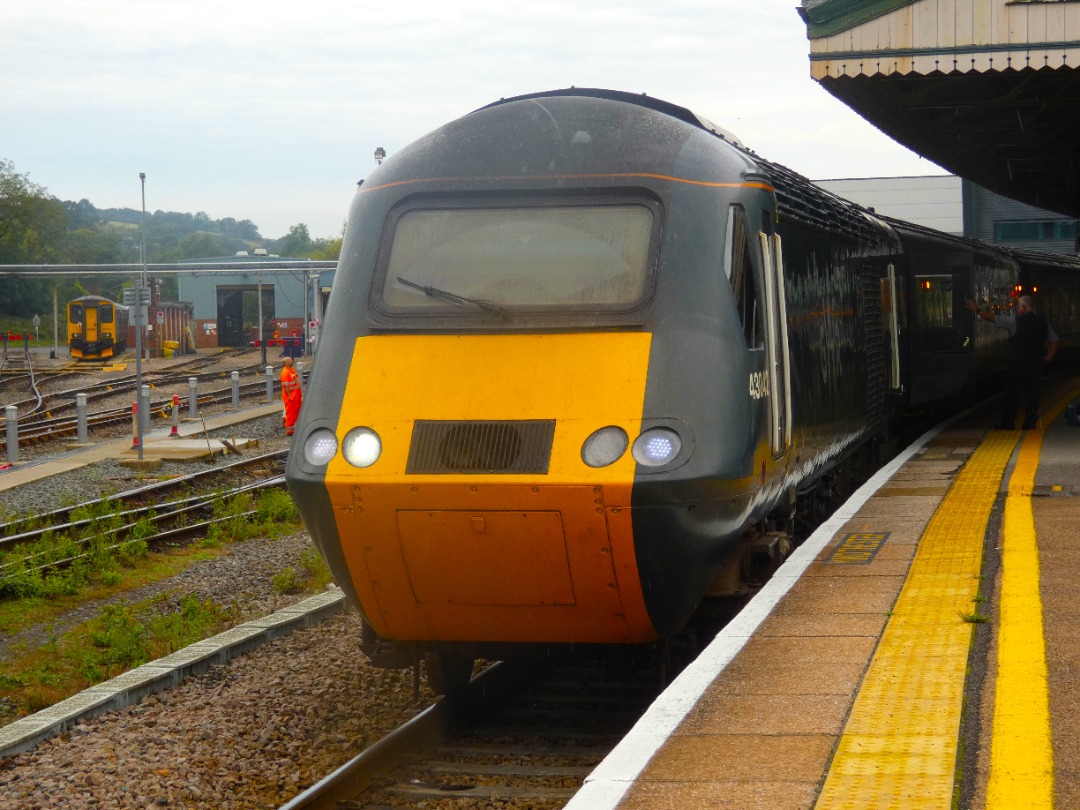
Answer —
97 328
582 347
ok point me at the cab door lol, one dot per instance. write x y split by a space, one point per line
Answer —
776 342
92 326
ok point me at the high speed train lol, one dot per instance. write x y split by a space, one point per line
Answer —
584 349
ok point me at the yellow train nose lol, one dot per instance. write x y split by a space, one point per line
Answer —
480 520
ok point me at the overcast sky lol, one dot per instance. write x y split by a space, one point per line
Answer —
271 111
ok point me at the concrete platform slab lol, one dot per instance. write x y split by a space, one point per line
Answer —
189 449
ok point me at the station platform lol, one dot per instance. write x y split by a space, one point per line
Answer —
191 443
917 651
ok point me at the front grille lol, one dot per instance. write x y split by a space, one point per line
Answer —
443 448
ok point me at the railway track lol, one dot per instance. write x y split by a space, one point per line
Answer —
45 404
144 515
49 428
524 734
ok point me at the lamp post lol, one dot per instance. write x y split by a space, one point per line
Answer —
140 319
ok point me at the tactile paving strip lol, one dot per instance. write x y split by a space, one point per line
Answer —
1021 750
898 749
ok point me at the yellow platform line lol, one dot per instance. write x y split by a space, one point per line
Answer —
1021 750
898 748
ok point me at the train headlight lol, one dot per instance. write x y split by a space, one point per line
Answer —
361 447
605 446
656 447
320 447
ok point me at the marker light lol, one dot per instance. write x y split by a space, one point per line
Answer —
605 446
361 447
320 447
656 447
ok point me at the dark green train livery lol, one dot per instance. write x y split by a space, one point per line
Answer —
583 348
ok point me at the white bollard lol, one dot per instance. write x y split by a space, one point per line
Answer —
80 411
11 413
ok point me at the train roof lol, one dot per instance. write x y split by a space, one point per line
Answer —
86 298
796 197
640 99
905 228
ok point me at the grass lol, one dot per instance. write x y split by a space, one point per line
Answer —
25 326
99 556
120 638
313 576
125 636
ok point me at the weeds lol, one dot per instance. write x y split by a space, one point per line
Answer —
242 516
120 638
312 577
101 548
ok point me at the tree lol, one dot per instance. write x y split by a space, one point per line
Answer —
296 244
326 249
33 230
97 246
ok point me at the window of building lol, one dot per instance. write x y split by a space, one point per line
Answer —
1035 230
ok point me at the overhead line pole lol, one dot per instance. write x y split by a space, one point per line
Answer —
141 312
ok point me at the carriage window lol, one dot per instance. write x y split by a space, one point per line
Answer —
934 301
105 314
525 256
76 312
739 267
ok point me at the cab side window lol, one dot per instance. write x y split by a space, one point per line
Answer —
739 267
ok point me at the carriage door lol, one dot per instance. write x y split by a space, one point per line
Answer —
776 341
91 333
942 363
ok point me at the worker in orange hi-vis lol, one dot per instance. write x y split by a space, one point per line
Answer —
290 395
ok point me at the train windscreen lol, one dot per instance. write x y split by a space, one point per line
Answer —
551 257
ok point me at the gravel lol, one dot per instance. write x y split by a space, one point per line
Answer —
248 734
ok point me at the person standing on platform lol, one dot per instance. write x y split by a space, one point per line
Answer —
1032 344
291 395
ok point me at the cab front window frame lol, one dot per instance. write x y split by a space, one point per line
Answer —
520 259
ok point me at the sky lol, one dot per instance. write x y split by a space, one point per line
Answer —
272 111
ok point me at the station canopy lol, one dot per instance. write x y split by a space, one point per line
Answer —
986 89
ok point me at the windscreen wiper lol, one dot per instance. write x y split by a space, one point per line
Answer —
454 298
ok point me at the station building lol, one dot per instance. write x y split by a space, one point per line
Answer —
226 303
